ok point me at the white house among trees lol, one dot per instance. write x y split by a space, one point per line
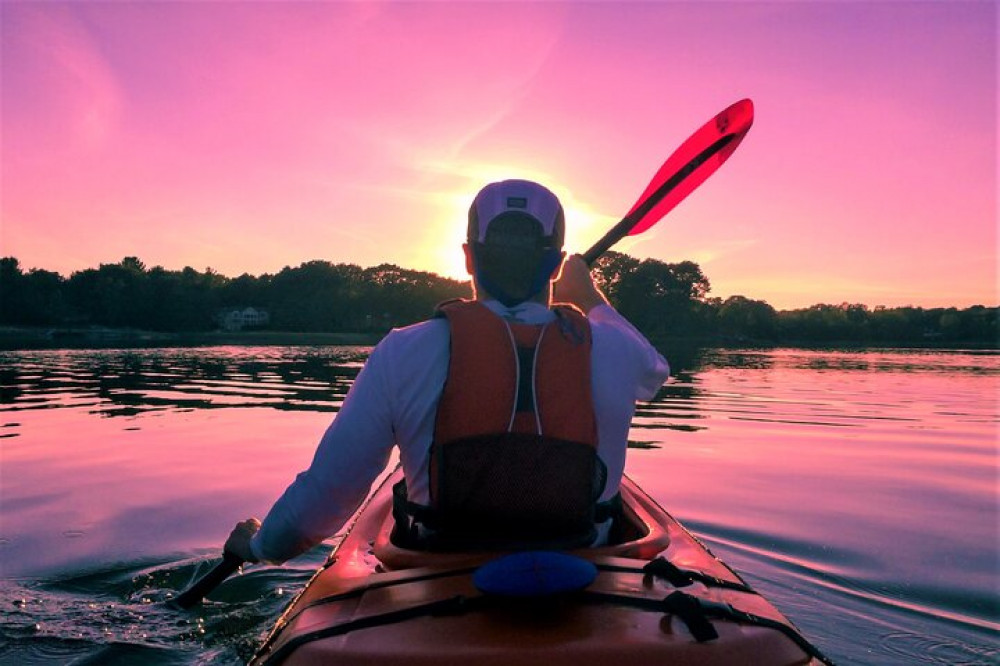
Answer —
236 319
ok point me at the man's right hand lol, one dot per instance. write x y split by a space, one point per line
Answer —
576 286
238 542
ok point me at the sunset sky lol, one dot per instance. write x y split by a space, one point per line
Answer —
249 136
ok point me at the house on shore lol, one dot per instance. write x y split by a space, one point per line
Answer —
237 319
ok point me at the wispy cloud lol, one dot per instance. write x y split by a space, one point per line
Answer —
69 84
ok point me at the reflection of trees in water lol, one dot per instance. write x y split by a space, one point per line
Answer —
745 359
123 383
676 406
10 388
853 360
681 402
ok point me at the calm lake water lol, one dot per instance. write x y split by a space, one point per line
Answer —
857 490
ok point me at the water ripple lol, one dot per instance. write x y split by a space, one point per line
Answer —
117 614
843 571
935 649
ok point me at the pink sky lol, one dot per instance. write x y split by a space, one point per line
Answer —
248 136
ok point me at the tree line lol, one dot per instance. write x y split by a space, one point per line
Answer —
661 299
315 296
673 300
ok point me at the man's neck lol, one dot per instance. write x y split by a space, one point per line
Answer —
544 297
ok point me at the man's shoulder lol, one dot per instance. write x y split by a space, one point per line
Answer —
612 333
424 332
406 355
608 321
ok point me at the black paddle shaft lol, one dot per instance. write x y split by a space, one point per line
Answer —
204 585
627 223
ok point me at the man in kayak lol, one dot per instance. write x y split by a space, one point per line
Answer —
511 415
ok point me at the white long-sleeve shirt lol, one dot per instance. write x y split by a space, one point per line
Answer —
394 400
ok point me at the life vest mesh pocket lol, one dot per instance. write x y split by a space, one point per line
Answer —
515 488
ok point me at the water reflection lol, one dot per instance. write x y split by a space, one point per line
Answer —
126 383
826 389
978 362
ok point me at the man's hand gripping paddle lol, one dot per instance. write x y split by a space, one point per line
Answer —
687 168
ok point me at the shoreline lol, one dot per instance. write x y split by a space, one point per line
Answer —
49 338
15 338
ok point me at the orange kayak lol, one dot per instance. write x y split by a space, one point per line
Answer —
658 597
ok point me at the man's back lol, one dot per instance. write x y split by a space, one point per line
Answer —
413 363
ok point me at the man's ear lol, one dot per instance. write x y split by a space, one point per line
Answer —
558 267
470 259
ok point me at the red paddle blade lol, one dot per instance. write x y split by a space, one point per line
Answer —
699 157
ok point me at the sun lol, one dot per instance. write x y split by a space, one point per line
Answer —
452 261
449 235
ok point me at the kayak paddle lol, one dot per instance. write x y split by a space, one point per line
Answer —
688 167
220 572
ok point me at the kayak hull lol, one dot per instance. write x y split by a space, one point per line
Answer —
377 603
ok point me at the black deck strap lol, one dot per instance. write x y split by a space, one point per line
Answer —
685 606
670 572
664 568
696 613
688 606
682 577
358 591
689 611
451 606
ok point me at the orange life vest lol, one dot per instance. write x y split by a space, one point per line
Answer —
514 457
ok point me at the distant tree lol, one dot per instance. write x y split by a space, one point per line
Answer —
113 294
42 299
897 324
10 290
187 300
34 298
705 317
246 290
609 271
981 324
133 264
396 296
315 296
739 316
661 298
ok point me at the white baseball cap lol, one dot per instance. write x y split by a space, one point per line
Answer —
517 198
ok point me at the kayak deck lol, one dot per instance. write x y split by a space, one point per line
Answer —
377 603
